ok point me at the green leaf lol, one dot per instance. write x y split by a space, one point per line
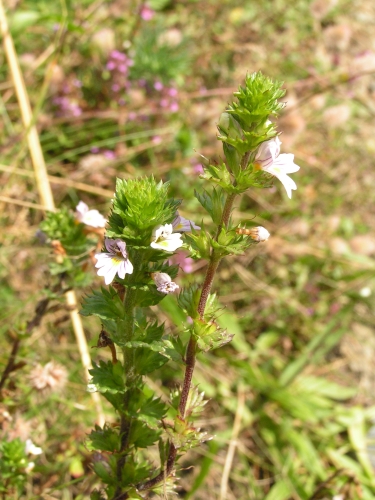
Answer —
212 202
188 300
147 361
106 304
22 19
103 471
281 490
209 335
108 377
142 436
104 439
199 243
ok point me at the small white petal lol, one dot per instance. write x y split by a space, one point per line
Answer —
31 449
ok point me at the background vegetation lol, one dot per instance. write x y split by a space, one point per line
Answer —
121 89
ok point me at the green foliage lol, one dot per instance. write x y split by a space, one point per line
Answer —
13 464
61 225
104 439
209 335
199 243
139 206
257 101
188 300
142 436
106 304
231 243
154 58
108 377
212 202
245 124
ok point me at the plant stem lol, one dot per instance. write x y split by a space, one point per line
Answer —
11 362
191 348
206 288
129 371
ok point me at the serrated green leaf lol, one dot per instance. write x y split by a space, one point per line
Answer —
212 202
147 361
142 436
104 439
106 304
108 377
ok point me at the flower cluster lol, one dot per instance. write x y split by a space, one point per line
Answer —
67 102
118 65
116 260
168 97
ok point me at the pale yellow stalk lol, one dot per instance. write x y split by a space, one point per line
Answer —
44 187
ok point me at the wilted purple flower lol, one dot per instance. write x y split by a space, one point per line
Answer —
164 283
114 262
183 225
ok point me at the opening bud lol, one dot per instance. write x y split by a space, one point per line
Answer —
258 234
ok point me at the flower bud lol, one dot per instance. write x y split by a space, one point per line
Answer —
229 126
256 233
164 283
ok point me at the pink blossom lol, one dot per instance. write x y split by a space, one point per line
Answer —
147 13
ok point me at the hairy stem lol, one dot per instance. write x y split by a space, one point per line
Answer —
129 371
191 348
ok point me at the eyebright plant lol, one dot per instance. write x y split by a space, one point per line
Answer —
143 231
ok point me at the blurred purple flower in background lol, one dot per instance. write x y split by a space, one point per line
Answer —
147 13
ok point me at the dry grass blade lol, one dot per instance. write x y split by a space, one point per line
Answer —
232 444
43 185
79 186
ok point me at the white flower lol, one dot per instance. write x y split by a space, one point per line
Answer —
31 449
183 225
269 159
114 262
89 217
164 238
29 467
164 283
